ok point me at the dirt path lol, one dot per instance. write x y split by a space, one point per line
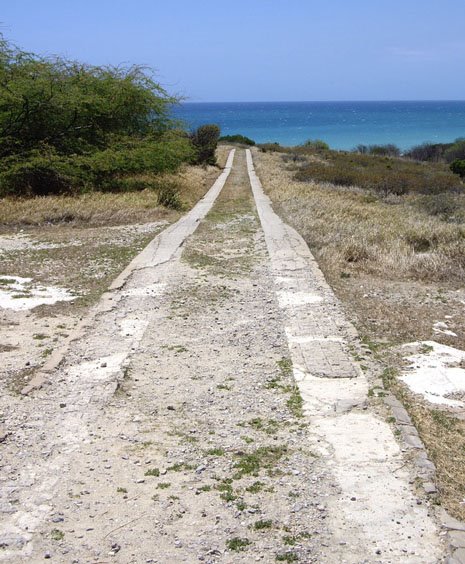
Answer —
174 431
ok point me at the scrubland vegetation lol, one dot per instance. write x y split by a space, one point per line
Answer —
71 130
381 175
169 194
391 216
438 152
240 139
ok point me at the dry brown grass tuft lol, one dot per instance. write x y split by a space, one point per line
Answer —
96 208
93 209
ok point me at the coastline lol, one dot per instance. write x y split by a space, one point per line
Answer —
343 125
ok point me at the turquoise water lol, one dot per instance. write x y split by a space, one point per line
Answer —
343 125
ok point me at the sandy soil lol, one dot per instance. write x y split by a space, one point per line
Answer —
48 279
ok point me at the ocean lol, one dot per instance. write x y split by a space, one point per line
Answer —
343 125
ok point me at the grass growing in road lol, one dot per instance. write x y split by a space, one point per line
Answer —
217 451
295 402
285 366
226 489
262 524
57 535
163 485
287 557
264 457
256 487
237 543
228 246
270 426
179 467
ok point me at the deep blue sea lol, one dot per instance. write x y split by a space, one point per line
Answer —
343 125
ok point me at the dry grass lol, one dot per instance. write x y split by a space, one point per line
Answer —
350 229
98 208
93 209
222 153
397 268
85 254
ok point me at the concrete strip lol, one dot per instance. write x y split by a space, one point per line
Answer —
160 250
451 524
459 557
166 244
375 518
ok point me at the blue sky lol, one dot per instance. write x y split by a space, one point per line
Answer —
260 50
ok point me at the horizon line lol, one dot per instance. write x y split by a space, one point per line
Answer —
313 101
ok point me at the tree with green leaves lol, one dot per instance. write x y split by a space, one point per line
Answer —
68 126
205 140
458 167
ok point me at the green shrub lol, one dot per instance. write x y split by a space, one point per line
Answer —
66 126
108 170
458 167
205 140
379 174
316 144
40 174
456 151
137 156
74 107
242 139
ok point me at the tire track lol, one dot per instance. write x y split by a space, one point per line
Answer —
46 428
376 518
